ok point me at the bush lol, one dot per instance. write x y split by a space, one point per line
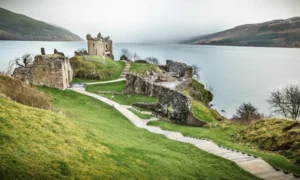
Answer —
277 135
246 112
23 93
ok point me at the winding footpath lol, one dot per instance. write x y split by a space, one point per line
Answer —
254 165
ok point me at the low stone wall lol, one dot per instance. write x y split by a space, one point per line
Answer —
173 104
150 106
112 92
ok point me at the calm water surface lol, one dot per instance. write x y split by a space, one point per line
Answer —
236 74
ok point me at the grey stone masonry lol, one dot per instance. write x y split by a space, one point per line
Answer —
47 70
173 104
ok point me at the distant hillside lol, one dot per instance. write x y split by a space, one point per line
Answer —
19 27
276 33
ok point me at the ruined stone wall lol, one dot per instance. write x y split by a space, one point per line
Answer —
179 67
175 105
47 70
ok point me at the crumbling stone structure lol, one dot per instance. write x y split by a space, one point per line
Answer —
47 70
173 104
100 46
177 68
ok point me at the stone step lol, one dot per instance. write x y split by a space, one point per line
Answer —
273 175
174 135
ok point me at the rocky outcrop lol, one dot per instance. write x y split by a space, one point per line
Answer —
59 53
181 69
47 70
173 104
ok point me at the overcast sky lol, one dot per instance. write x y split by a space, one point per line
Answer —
152 20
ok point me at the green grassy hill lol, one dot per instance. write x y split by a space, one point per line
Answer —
248 139
91 140
88 71
142 68
15 26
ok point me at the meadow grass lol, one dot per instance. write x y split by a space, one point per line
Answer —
83 68
224 134
141 68
94 58
202 112
125 99
113 87
91 140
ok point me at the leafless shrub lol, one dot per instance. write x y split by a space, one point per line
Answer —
196 71
246 113
8 70
286 101
136 56
126 53
152 60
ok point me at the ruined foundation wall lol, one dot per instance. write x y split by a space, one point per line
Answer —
178 67
47 70
175 105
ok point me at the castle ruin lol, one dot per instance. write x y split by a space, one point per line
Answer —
52 70
99 46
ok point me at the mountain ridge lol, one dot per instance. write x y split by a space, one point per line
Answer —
14 26
274 33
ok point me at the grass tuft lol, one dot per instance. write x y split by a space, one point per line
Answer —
22 93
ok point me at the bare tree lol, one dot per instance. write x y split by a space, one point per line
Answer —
8 70
247 111
152 60
136 56
196 70
286 102
126 53
27 59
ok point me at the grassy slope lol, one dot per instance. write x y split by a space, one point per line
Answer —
128 100
19 27
223 134
198 92
204 113
100 144
109 71
141 68
113 87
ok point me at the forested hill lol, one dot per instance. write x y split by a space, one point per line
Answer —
15 26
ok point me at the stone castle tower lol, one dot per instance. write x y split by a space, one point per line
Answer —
100 46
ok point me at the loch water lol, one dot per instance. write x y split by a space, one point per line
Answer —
236 74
